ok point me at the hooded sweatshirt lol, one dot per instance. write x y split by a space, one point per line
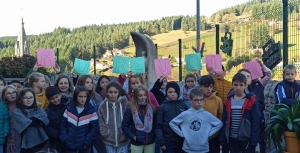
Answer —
196 125
110 121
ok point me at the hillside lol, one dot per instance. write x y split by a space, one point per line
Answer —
165 38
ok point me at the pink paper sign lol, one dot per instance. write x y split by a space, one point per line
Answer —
254 68
46 57
214 61
162 67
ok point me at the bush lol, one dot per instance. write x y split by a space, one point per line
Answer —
18 67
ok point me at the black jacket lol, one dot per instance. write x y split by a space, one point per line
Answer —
166 112
55 115
160 96
128 127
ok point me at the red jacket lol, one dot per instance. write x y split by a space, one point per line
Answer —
250 121
121 80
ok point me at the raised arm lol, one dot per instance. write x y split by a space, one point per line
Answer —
268 75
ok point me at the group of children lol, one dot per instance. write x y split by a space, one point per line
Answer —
205 113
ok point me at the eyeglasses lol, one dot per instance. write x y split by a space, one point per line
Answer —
198 100
10 93
28 98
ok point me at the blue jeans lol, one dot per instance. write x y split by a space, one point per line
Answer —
1 149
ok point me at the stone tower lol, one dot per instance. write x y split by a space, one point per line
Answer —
22 46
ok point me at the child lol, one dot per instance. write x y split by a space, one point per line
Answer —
258 86
138 122
288 87
9 97
221 86
159 89
196 125
47 82
87 82
2 84
6 95
111 113
166 138
66 89
134 81
95 100
29 120
36 82
212 104
101 85
240 119
16 84
125 84
79 125
55 113
190 83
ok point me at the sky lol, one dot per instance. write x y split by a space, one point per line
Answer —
41 16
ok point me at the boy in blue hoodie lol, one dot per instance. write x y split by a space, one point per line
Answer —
288 87
196 125
241 122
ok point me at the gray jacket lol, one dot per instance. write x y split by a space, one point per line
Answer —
34 135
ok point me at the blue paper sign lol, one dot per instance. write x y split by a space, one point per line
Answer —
193 62
120 64
137 65
81 67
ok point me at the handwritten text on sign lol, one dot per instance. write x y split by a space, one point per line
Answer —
137 65
162 67
254 68
46 57
193 62
120 64
81 67
214 61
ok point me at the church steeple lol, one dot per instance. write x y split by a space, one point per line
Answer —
22 46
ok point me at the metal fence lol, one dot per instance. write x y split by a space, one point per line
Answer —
277 20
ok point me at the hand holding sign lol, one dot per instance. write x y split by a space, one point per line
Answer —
162 67
46 57
120 64
81 66
214 61
254 68
193 62
137 65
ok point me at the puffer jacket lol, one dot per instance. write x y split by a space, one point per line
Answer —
42 100
55 115
128 127
166 112
79 130
4 122
110 121
250 122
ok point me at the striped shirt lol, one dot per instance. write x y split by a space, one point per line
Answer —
236 112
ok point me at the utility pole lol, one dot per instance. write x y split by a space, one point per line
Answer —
198 30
